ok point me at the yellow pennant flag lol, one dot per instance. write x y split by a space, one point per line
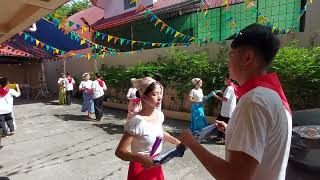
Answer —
153 44
37 42
132 42
57 51
72 54
84 29
176 34
96 45
157 22
133 1
82 41
110 37
88 56
262 20
103 54
56 16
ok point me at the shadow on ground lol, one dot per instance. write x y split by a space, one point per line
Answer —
111 128
72 117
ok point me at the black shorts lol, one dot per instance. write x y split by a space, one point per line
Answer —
6 117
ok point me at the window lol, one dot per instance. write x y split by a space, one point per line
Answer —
128 4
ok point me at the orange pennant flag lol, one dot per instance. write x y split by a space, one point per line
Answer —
41 45
141 8
116 39
164 25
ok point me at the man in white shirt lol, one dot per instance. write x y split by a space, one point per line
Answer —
69 82
229 102
6 106
258 136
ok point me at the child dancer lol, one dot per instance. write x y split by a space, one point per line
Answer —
142 131
87 95
6 105
198 118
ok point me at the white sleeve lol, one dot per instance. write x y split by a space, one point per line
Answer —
250 132
73 81
128 93
191 93
104 85
14 93
81 85
133 126
93 86
228 92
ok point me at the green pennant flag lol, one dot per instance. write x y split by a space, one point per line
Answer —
147 13
96 56
62 52
254 10
163 45
121 41
47 47
97 34
168 29
70 24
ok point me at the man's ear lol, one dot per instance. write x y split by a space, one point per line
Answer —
248 56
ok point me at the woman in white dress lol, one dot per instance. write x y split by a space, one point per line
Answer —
87 95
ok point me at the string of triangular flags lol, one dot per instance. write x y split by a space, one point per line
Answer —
262 19
59 21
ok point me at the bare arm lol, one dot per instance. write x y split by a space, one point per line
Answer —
123 153
170 139
223 99
18 90
240 165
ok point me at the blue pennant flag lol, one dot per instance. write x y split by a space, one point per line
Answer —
78 26
153 18
103 36
32 39
128 42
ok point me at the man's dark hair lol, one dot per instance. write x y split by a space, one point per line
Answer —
3 82
68 74
261 39
227 76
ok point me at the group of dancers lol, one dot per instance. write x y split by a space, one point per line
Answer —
257 129
92 93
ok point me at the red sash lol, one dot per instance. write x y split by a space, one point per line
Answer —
69 79
101 82
270 81
4 91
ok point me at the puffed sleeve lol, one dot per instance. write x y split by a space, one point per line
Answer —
133 126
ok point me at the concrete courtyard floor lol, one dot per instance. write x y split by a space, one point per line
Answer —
54 142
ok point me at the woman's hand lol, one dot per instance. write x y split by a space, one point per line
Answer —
146 161
222 126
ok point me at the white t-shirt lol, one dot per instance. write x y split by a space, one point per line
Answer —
228 107
98 91
86 84
6 102
61 80
68 86
260 126
144 133
131 93
197 95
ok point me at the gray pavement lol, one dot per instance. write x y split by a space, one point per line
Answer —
58 142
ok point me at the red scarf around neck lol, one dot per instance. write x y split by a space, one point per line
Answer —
4 91
101 82
270 81
69 79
